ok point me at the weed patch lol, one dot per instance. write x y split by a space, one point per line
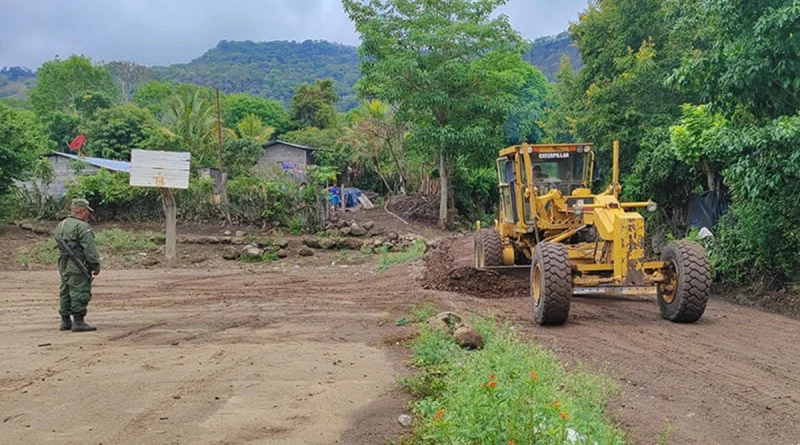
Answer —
510 392
114 241
389 259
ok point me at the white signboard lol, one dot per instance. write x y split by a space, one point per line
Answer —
162 169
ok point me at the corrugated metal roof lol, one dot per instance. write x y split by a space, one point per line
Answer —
116 166
302 147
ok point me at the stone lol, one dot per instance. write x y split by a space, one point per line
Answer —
445 322
311 241
240 233
369 225
305 251
328 243
393 236
356 230
351 244
378 242
227 233
230 253
282 253
332 232
238 240
405 420
468 337
282 243
342 224
345 231
252 253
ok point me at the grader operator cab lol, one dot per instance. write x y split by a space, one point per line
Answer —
574 240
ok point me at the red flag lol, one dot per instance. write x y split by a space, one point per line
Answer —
77 143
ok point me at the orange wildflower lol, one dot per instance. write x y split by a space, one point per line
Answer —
492 377
534 376
556 404
564 415
511 442
492 384
439 415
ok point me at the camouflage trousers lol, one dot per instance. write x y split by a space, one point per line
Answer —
76 291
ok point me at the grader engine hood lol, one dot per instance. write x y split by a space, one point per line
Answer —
623 232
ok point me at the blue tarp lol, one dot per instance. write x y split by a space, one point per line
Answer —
351 196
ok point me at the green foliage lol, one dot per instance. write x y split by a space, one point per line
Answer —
508 392
240 155
236 107
252 127
21 144
114 199
128 76
154 95
475 192
72 84
453 69
424 312
271 70
61 128
119 241
191 122
313 105
277 201
114 132
43 252
389 259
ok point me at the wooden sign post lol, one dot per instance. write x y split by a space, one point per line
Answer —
166 171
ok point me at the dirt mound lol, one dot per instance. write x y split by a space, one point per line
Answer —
443 273
416 208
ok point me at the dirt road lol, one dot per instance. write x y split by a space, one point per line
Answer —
204 357
297 354
732 378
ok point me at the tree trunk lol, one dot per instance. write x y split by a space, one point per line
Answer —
170 213
712 179
443 200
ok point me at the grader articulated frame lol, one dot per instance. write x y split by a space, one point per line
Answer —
573 240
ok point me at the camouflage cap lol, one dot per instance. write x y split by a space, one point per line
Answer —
81 204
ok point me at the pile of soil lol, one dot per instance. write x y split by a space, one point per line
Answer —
416 208
442 273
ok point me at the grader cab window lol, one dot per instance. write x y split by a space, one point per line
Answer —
507 174
564 171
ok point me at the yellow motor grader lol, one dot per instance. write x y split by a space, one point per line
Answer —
573 240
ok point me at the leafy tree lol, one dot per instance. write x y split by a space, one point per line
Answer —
191 123
114 132
128 76
63 84
240 155
252 127
525 117
313 105
61 128
22 141
453 69
236 106
154 95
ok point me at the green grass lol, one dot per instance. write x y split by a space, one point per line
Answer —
509 392
389 259
114 241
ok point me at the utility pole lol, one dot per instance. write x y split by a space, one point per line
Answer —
223 184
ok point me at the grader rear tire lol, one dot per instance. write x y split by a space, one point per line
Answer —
683 296
551 284
488 249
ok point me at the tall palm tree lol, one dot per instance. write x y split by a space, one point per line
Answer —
251 126
191 120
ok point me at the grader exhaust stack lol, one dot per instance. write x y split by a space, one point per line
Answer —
570 240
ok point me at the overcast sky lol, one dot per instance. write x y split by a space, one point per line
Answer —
162 32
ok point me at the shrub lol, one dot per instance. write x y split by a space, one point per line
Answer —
508 392
114 199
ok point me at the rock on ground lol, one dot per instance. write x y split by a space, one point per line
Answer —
468 337
311 241
328 243
252 253
369 225
305 251
282 253
230 253
445 322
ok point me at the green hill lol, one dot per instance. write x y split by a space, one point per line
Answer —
15 81
547 52
271 69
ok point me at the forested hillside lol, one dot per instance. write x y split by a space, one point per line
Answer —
271 69
15 81
547 52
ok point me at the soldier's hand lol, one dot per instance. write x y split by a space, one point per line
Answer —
96 272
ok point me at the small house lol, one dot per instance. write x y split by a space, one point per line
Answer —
286 153
67 167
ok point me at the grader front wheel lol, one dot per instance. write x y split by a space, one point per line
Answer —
551 284
488 249
683 296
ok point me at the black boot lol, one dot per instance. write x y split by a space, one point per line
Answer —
79 325
66 323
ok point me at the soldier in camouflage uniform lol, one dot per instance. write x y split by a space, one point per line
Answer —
76 286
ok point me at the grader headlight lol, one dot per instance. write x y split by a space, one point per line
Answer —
652 207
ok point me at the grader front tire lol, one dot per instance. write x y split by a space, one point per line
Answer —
683 296
551 284
488 249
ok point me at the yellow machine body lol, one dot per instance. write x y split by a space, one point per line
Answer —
546 196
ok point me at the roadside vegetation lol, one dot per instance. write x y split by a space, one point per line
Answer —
118 242
509 392
389 259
